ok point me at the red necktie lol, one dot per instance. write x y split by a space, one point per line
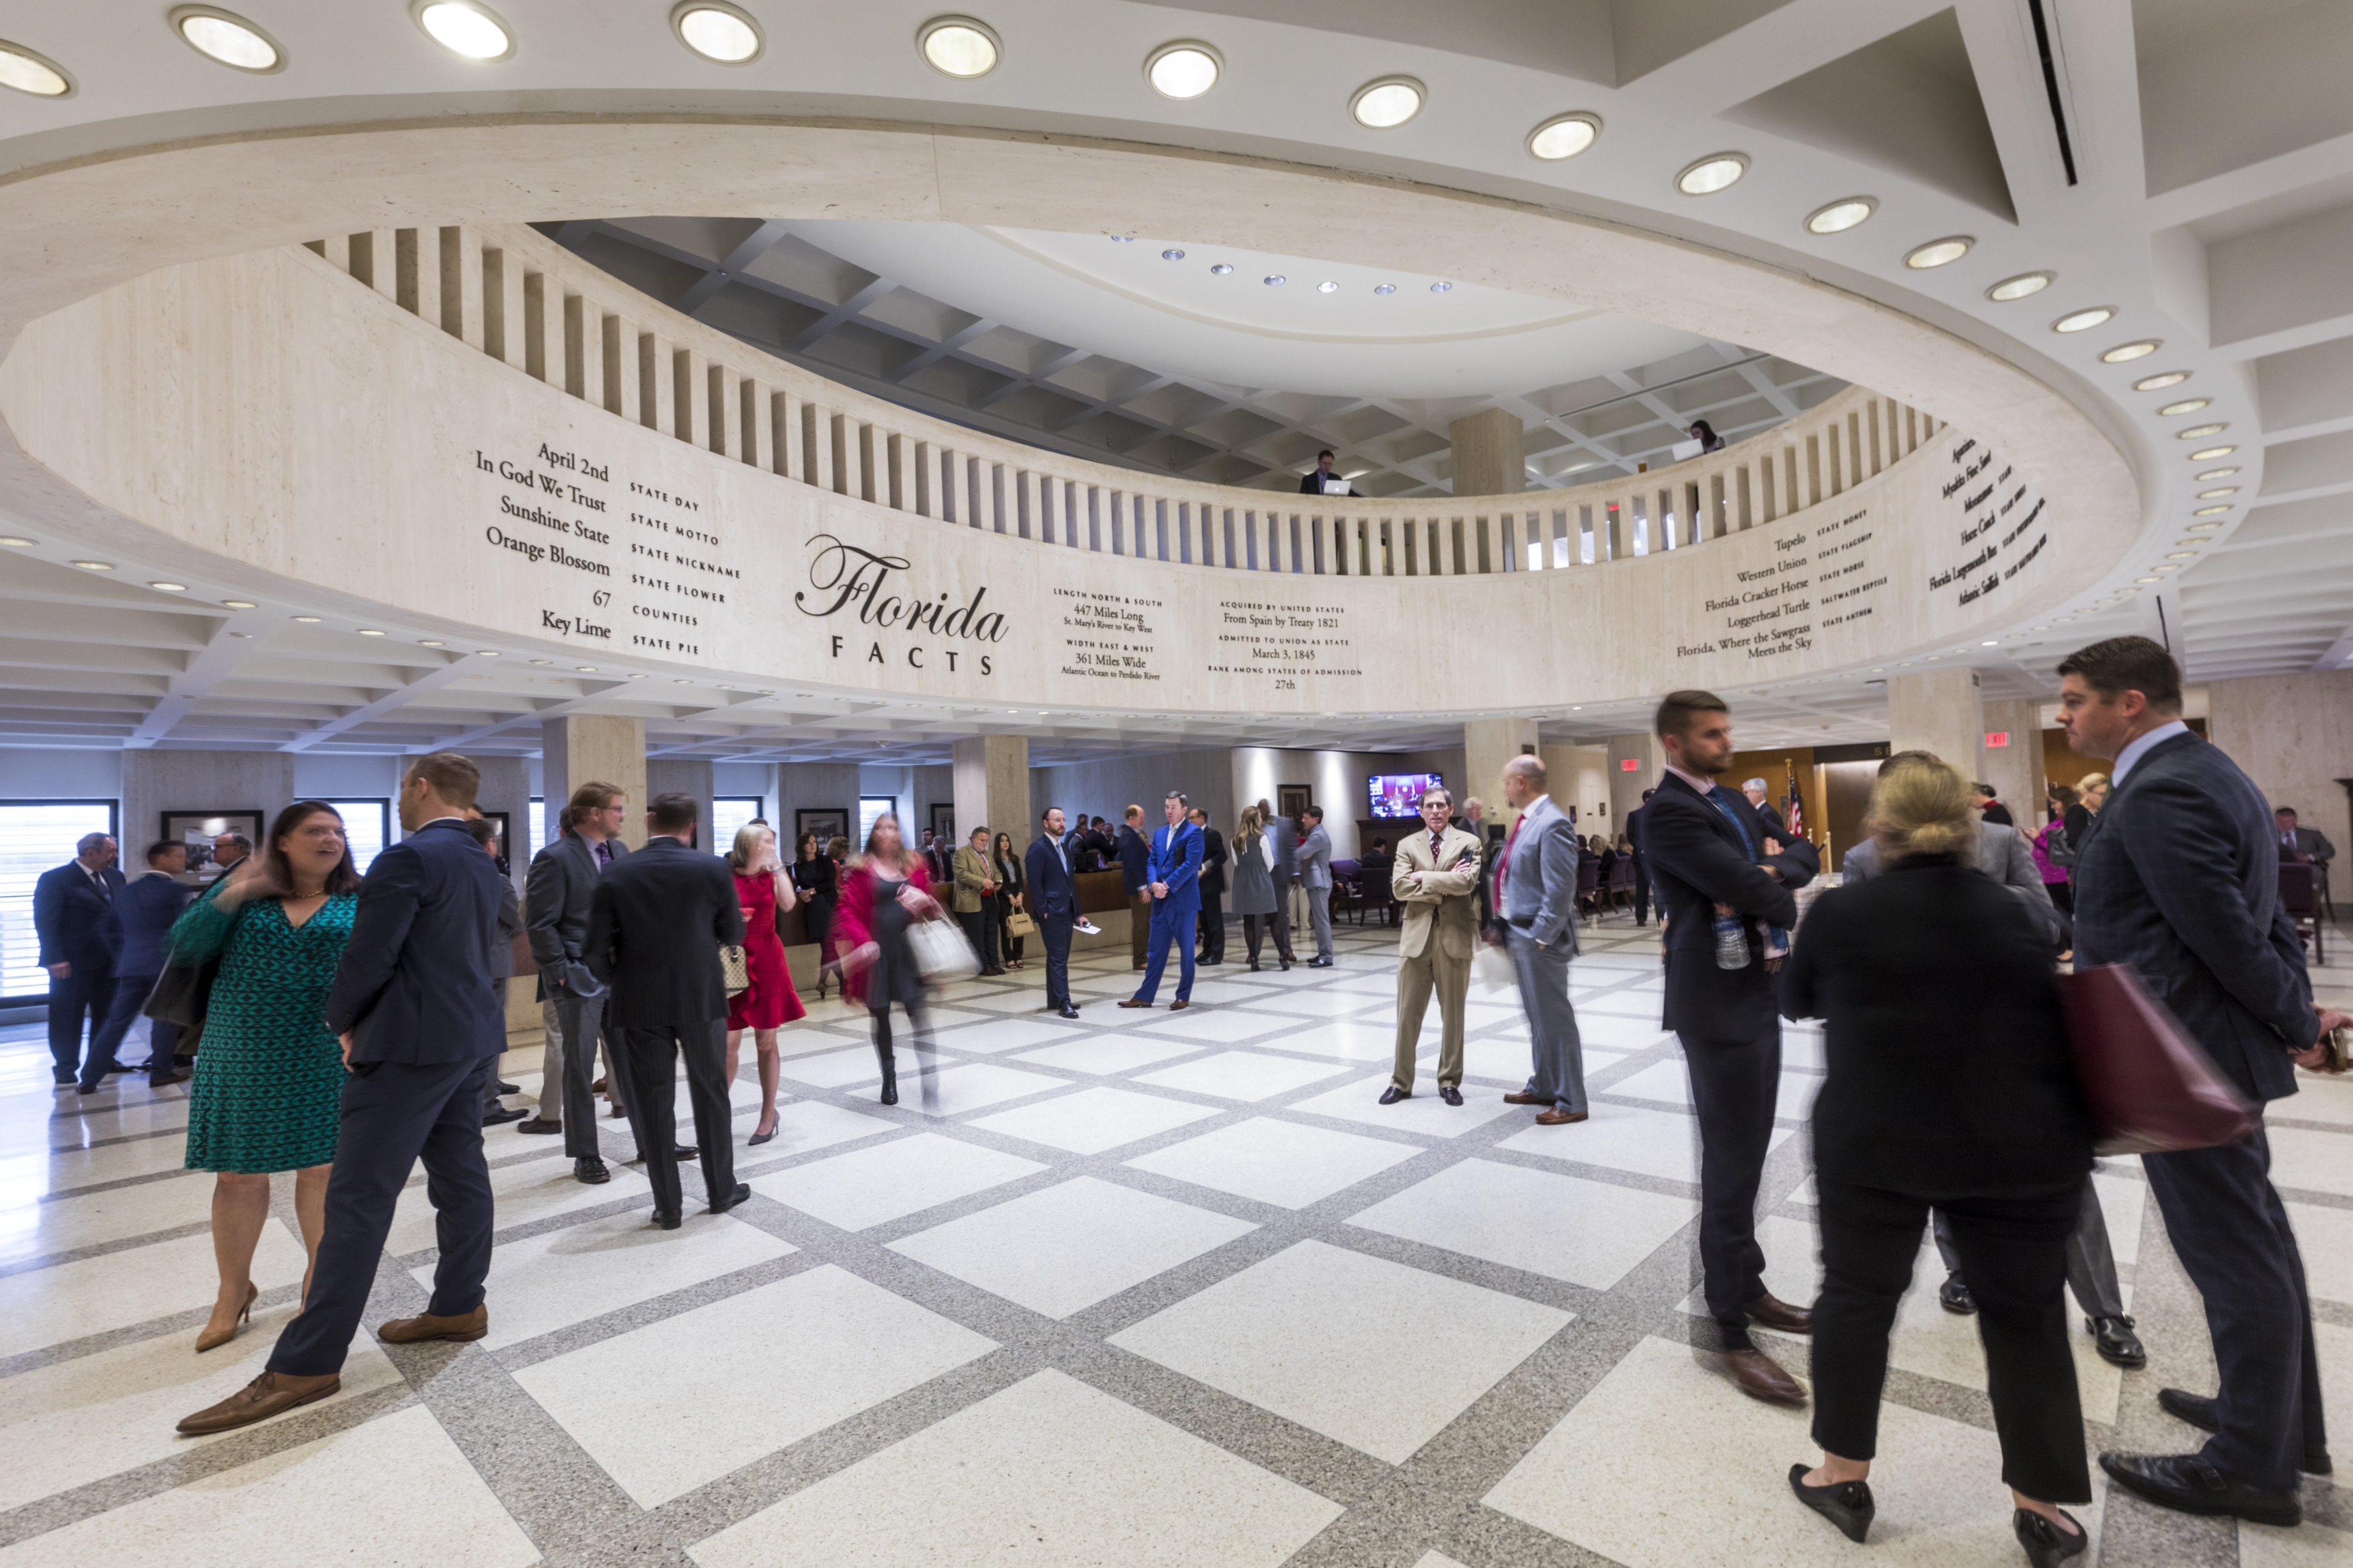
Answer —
1503 865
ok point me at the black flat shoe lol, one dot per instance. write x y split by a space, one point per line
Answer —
2187 1483
2197 1409
1448 1094
2046 1544
2114 1340
1847 1504
1392 1094
1953 1295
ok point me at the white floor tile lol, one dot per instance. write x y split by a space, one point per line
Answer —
559 1277
1628 1138
1802 1048
1094 1120
1642 1005
1610 1031
115 1290
805 1124
2121 1203
834 1070
2316 1162
1105 1054
101 1117
1424 1113
959 1087
663 1413
2317 1099
402 1495
868 1187
2325 1237
1669 1083
1209 990
1564 1228
2308 1545
530 1190
1312 1003
1218 1025
1313 1334
1063 1249
1009 1034
1026 1000
28 1175
1346 1039
1475 1015
1049 1473
1281 1163
68 1223
1243 1075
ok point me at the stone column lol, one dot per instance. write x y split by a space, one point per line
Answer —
506 786
1643 750
2015 770
1487 460
684 775
1942 711
992 787
576 748
2293 734
1487 745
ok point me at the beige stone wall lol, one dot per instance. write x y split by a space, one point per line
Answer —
2293 734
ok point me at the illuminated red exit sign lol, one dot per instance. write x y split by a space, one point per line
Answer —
1998 738
1629 764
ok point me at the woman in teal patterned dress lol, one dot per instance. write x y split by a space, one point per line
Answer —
270 1074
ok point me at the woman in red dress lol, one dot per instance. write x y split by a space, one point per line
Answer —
764 891
881 896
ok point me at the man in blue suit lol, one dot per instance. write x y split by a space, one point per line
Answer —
2178 877
1174 885
1054 904
421 1030
81 937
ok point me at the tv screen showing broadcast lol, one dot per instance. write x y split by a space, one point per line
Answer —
1400 795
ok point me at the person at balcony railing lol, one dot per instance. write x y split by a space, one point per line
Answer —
1323 480
1705 434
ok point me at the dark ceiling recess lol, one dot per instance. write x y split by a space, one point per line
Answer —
2050 86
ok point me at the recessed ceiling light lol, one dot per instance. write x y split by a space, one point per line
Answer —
2165 566
681 680
37 74
370 632
1564 136
430 642
486 653
1123 240
586 668
1274 280
2123 351
2211 511
2020 287
2160 381
722 33
1991 642
309 620
2144 579
1184 69
228 38
725 687
958 47
542 661
2204 453
2085 321
95 565
1222 269
169 587
1939 252
637 675
1441 288
1327 286
2219 493
1712 173
1171 254
2191 542
2197 527
1841 214
16 541
237 605
2199 432
1387 102
2187 405
464 28
2214 474
1384 288
2183 554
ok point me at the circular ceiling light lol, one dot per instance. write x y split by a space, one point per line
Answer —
2211 511
2200 543
2085 321
2123 351
1221 270
1327 286
722 33
1712 173
1841 215
1171 254
2196 527
2144 579
2187 405
542 661
309 620
2213 474
228 38
1564 136
370 632
2020 287
486 653
2199 432
2205 453
586 668
95 565
464 28
959 46
2182 554
238 604
430 642
1384 288
15 542
26 71
2219 493
1441 288
169 587
1387 102
1939 252
1184 69
637 675
1123 240
2160 381
1274 280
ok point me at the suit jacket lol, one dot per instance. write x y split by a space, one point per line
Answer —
147 906
1285 839
75 923
1312 485
2312 845
414 985
1634 837
556 894
655 927
2002 854
1213 863
1135 861
1539 877
973 872
1998 815
2178 877
1441 903
941 863
1177 863
1699 857
1053 885
1316 859
510 928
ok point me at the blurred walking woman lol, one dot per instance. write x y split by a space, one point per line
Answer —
1949 1084
817 879
1253 884
1008 865
270 1079
763 893
882 896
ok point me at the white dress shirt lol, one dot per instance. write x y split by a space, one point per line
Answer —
2139 749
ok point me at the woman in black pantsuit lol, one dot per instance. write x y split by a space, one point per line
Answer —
1950 1085
817 880
1007 862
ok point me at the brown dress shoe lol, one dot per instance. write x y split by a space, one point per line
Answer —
541 1125
1557 1117
471 1325
1522 1097
1179 1004
271 1393
1772 1312
1135 1002
1761 1377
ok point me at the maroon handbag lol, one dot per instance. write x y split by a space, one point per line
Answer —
2150 1087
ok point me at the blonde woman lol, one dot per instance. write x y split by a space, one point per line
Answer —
1253 878
762 891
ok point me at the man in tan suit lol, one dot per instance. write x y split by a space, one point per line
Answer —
1436 872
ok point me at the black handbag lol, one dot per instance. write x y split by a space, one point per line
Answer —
182 993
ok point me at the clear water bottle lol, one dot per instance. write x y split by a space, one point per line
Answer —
1730 942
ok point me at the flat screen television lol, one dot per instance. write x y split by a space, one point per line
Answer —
1398 796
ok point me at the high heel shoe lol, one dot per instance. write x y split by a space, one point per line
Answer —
212 1339
759 1138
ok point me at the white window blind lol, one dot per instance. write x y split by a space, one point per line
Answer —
728 813
366 823
871 807
35 835
537 832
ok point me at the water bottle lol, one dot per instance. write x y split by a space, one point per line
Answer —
1730 942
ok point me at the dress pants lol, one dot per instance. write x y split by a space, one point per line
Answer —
1642 894
2014 1251
1734 1081
980 930
1171 924
395 1114
1139 925
2233 1238
571 1064
1433 967
1319 915
1212 922
1055 931
84 994
1557 1067
131 993
2091 1263
1281 917
653 1056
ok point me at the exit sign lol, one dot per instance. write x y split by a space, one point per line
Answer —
1998 738
1629 764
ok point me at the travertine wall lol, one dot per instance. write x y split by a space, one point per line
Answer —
2293 736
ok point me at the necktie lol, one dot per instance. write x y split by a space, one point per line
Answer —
1724 805
103 891
1503 863
1436 843
604 853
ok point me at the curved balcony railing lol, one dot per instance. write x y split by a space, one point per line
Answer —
520 298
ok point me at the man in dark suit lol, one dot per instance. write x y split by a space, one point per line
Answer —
1054 904
2178 877
2306 844
1706 857
148 907
655 928
557 893
1136 876
1213 890
1990 809
80 936
1641 865
422 1032
1312 485
485 833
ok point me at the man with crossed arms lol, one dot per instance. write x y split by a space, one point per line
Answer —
1436 873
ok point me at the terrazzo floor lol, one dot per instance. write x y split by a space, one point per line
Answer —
1145 1289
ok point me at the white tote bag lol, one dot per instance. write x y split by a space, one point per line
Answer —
1491 968
942 954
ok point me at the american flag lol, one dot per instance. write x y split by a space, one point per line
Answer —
1797 805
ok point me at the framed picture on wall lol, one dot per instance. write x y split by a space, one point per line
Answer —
828 822
944 821
1289 800
498 819
197 829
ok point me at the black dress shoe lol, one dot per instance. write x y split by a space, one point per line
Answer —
1448 1094
85 1088
1319 963
2187 1483
1392 1094
506 1088
1253 969
589 1170
1846 1504
2197 1409
166 1078
1067 1012
722 1204
689 1152
499 1114
2046 1544
666 1221
1953 1295
2114 1340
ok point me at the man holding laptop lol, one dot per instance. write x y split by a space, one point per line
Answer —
1324 481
